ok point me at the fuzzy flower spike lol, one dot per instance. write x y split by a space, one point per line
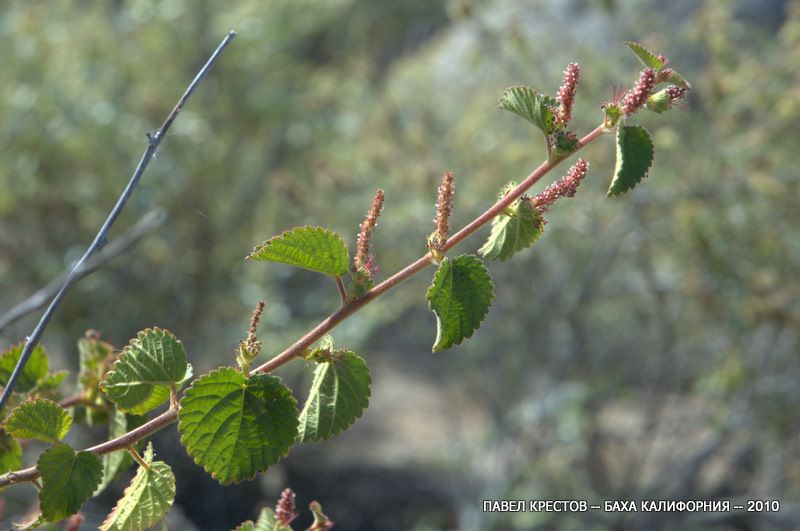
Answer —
635 98
364 261
566 187
566 94
444 207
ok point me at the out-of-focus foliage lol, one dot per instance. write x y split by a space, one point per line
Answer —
645 348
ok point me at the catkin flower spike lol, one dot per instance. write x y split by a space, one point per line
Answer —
566 94
444 207
635 98
364 261
565 187
250 348
285 510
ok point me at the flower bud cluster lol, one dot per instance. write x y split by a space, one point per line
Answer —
444 207
566 187
566 94
363 259
285 510
635 98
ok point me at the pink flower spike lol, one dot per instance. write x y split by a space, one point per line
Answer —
363 259
566 187
566 94
285 511
635 98
444 207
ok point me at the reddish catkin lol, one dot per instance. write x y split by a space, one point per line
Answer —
635 98
566 94
444 207
675 93
566 187
363 260
285 510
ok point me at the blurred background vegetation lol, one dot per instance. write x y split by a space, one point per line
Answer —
646 348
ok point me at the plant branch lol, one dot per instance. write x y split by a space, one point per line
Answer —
171 415
153 141
120 443
410 270
148 223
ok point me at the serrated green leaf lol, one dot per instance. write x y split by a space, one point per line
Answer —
35 369
339 394
10 453
146 500
534 107
460 297
314 248
647 57
141 378
634 155
68 480
116 462
235 426
43 420
513 232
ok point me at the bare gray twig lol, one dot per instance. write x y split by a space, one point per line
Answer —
148 223
153 141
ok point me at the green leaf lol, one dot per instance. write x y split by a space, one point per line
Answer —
146 500
10 453
68 480
460 296
339 394
140 381
634 155
314 248
513 232
647 57
43 420
535 108
235 426
116 462
35 369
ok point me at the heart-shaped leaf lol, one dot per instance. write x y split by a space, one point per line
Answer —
534 107
460 297
513 231
314 248
146 500
234 425
141 378
43 420
339 394
35 369
634 155
68 480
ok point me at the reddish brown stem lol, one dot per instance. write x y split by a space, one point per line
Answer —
171 415
351 307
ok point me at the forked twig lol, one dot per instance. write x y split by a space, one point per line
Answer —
153 141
